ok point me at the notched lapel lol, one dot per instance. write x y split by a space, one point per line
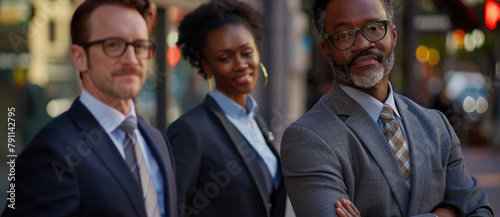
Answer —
375 142
244 149
159 149
106 152
267 134
420 148
360 122
157 146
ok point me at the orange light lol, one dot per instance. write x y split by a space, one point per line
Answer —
433 57
491 14
458 37
421 53
173 55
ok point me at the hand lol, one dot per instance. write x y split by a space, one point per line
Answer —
346 208
443 212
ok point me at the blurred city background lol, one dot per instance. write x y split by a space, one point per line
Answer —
448 58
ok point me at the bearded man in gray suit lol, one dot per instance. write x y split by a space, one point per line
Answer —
363 142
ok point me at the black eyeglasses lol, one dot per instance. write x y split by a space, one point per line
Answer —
345 39
116 47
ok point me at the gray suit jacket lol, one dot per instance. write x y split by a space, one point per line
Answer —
337 151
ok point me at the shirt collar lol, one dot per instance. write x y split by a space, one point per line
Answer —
108 117
370 104
233 109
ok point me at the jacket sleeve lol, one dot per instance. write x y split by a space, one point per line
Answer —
463 191
186 149
44 183
312 172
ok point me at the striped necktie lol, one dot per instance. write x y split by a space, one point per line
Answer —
137 164
398 143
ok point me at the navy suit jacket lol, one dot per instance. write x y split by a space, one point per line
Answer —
217 172
72 168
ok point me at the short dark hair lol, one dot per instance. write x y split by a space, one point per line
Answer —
319 8
195 26
79 23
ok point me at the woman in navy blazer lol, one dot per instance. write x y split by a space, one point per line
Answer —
226 164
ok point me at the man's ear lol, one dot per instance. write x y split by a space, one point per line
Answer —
394 33
79 58
206 68
325 50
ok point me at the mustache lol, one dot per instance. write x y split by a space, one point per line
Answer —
126 70
364 53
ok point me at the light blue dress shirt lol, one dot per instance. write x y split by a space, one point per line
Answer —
244 120
110 119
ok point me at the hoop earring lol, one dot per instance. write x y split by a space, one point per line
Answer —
264 71
210 85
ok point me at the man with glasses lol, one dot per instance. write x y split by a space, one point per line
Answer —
365 144
99 158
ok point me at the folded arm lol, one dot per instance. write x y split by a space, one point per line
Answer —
313 174
345 208
463 191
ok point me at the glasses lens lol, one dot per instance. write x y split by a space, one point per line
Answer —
344 39
114 47
144 49
374 31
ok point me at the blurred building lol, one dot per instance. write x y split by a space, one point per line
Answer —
35 62
437 38
285 53
451 64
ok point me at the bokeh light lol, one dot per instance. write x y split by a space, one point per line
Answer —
458 38
491 14
469 104
481 105
57 106
451 45
173 55
421 53
469 43
478 35
433 56
172 38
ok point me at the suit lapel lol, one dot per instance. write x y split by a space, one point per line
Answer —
278 200
360 122
243 147
163 156
106 152
420 166
268 136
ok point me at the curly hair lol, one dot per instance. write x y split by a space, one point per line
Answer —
319 8
195 26
80 29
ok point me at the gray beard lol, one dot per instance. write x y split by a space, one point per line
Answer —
371 78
